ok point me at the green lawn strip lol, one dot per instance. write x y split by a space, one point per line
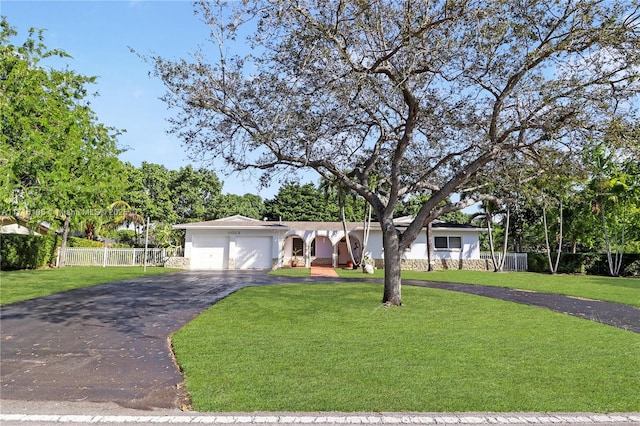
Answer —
620 290
16 286
330 347
291 272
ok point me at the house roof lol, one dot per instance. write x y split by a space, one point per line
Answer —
239 221
18 225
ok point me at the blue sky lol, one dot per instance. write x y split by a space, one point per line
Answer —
98 35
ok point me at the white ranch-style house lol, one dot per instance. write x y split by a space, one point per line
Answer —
239 242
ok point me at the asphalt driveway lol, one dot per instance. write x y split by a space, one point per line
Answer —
109 342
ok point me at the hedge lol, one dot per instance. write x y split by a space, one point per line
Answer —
26 251
584 263
19 251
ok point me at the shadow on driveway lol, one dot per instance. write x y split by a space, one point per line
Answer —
108 342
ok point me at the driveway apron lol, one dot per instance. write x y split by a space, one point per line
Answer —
109 342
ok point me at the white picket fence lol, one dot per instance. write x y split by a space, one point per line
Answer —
82 256
512 262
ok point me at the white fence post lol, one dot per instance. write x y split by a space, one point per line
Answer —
93 256
513 261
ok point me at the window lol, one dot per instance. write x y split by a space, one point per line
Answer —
447 243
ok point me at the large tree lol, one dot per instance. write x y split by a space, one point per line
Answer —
398 97
57 162
249 205
301 202
194 193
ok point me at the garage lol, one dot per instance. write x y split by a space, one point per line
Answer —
210 252
254 252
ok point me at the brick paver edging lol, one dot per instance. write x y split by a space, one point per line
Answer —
330 419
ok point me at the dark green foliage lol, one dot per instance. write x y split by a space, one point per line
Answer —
570 263
301 203
601 265
126 236
583 263
83 242
26 251
248 205
633 270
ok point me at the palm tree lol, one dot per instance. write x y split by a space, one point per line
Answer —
123 214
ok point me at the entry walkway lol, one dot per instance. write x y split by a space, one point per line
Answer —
323 271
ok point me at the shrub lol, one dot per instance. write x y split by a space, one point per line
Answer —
581 263
633 270
82 242
26 251
126 236
601 265
570 263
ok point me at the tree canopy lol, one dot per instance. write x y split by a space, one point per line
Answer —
58 163
395 98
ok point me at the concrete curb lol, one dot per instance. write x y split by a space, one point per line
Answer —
329 419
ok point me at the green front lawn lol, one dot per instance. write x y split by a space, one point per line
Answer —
332 347
29 284
620 290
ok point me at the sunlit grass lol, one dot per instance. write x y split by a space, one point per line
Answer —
621 290
291 272
329 347
29 284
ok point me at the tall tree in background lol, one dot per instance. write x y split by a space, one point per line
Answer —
149 192
248 205
58 163
194 193
301 202
615 192
409 97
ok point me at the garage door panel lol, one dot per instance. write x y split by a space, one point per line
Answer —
210 252
254 252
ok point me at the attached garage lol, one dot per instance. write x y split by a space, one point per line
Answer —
235 242
209 252
254 252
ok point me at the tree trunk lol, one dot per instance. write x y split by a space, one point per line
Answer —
65 235
392 267
491 243
347 239
546 238
559 238
430 246
365 240
505 242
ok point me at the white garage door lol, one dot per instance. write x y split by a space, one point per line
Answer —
210 252
253 252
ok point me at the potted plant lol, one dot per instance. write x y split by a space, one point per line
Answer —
294 260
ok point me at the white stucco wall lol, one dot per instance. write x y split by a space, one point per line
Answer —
470 245
281 248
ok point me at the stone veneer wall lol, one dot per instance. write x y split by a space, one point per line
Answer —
441 264
177 262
